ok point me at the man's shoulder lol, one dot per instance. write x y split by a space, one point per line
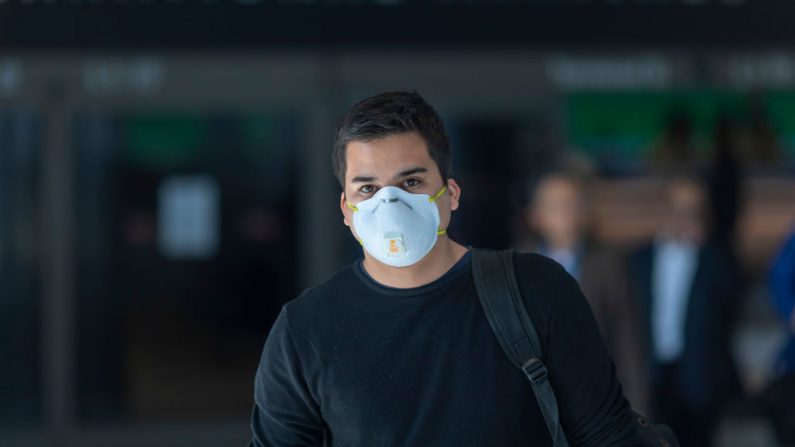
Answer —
319 294
538 269
545 285
317 303
538 272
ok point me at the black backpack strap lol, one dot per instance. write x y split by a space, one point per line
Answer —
498 291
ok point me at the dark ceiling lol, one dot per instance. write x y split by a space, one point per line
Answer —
207 24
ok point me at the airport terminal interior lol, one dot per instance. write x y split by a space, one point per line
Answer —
159 203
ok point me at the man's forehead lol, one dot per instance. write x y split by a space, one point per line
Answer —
388 157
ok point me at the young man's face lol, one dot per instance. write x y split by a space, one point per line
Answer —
400 160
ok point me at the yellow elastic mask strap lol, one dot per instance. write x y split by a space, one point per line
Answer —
433 199
438 194
354 208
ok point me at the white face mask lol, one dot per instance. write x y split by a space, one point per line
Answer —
397 227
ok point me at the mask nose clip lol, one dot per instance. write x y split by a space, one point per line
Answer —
391 194
388 200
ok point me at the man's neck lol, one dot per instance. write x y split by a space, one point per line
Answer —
444 254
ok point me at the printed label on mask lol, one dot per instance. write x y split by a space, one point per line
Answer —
393 244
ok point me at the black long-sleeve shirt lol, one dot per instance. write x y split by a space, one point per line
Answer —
351 362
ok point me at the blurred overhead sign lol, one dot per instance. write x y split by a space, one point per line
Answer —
205 24
141 76
758 70
11 76
649 72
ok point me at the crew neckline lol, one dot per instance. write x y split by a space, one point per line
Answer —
462 265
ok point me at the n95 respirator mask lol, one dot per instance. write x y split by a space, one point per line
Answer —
396 227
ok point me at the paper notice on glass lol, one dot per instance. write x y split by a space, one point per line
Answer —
188 218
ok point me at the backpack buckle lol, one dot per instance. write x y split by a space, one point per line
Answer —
535 370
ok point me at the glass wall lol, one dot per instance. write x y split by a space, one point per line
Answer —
183 259
20 344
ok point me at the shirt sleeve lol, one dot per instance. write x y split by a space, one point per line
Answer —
592 406
285 412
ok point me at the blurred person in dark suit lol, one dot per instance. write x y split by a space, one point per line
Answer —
724 183
675 146
559 216
688 286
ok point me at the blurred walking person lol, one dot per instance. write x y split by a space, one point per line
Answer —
778 399
688 286
559 217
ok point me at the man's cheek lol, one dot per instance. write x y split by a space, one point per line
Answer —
353 228
445 216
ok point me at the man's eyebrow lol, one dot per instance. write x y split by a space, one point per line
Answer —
413 170
407 172
362 179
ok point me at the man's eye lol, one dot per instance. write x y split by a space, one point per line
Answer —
366 189
412 182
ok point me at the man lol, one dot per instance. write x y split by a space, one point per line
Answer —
559 215
688 286
395 350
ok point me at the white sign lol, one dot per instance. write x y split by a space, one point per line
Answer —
188 218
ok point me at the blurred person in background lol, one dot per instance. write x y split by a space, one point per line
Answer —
725 183
778 399
782 287
688 287
559 217
676 145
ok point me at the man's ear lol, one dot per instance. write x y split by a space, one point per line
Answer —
346 218
454 192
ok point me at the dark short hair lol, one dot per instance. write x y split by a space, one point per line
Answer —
392 113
